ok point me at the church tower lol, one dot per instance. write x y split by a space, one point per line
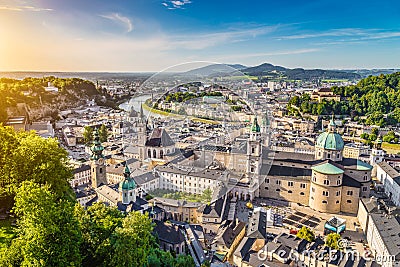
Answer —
127 187
266 129
254 149
98 167
142 134
377 155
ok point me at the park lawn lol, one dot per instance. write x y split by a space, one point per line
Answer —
6 233
391 148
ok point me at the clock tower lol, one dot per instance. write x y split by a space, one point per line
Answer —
254 149
98 167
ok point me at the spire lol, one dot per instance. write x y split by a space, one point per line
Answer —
332 125
97 148
255 127
141 112
378 142
266 121
127 172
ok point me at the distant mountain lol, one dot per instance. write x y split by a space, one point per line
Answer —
374 72
263 68
271 71
267 69
237 66
215 70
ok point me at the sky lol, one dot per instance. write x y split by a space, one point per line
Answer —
152 35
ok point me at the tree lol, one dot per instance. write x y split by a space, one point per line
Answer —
133 241
364 136
184 261
48 233
206 264
390 137
306 233
25 156
97 224
88 135
332 240
375 131
160 258
206 195
103 133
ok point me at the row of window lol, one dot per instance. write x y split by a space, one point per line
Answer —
326 181
337 201
326 193
289 183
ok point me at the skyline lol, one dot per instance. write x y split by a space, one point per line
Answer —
149 36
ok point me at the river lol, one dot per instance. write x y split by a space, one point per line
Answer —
135 103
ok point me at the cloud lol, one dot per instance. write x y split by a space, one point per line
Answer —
202 41
24 8
269 54
176 4
124 21
346 35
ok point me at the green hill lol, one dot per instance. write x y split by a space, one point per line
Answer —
378 97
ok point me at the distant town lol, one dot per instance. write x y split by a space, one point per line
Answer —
233 167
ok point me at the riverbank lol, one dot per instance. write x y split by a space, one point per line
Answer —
165 113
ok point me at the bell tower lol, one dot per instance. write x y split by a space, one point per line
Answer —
98 167
127 188
254 149
142 134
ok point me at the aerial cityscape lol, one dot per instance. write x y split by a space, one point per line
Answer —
180 133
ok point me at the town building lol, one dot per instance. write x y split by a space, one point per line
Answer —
326 182
390 178
380 221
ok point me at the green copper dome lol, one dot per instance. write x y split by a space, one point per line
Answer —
255 128
327 168
128 183
330 141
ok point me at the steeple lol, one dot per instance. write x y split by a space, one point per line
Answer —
97 148
127 187
255 128
98 168
141 113
127 172
332 124
378 142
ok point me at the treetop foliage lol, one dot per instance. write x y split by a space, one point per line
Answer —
378 97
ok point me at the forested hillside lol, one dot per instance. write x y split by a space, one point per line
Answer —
31 91
377 97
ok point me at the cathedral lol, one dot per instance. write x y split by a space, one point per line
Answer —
326 181
158 145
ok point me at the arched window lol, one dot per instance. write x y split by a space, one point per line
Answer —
149 153
154 153
167 151
161 154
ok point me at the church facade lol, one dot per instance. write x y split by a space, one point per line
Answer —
326 182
